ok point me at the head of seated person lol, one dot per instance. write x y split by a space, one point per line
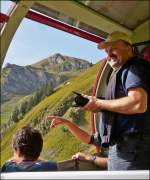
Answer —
27 144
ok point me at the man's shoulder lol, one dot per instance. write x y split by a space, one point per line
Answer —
40 165
44 165
6 165
138 62
137 65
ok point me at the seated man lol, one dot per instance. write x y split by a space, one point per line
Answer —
27 144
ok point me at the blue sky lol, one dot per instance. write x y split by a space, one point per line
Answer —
33 42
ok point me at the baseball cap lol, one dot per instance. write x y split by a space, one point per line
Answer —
114 36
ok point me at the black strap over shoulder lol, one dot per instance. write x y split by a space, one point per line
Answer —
107 120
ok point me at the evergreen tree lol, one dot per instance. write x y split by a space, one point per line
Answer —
23 108
37 97
74 115
48 90
91 64
77 116
14 115
30 104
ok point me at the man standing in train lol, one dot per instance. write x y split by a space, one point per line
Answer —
125 112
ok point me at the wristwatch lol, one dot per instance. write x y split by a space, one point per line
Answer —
93 157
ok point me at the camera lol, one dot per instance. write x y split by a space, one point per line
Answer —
80 100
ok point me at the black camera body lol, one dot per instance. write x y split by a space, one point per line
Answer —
80 100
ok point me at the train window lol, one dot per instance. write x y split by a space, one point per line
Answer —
44 65
45 60
5 6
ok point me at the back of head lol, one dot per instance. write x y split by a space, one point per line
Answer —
29 142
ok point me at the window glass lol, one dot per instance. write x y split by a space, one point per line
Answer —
5 6
42 67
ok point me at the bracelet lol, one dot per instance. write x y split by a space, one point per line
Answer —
93 157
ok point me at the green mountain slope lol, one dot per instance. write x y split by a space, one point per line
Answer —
7 107
22 80
59 144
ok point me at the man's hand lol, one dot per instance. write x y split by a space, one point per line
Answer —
56 120
94 104
82 156
73 128
99 161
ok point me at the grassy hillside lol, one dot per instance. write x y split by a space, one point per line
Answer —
7 107
59 144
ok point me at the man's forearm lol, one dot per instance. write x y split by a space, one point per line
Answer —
79 133
135 102
123 105
99 161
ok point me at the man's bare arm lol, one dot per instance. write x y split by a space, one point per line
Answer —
134 103
75 130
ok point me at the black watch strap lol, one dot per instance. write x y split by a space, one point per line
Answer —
93 157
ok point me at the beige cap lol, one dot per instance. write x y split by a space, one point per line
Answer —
114 36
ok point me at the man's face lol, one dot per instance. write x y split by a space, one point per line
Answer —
118 53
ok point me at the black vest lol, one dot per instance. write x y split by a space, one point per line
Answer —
107 126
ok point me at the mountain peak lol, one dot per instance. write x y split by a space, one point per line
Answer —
9 65
57 55
60 63
56 58
26 79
